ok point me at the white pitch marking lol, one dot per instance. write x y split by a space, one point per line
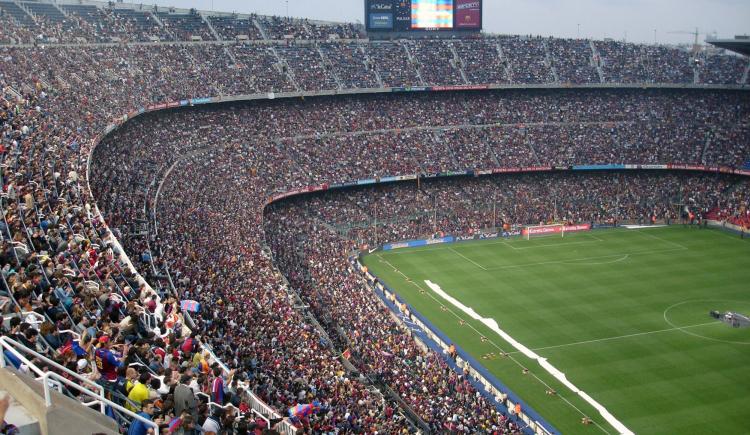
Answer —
546 385
582 242
597 238
552 370
666 319
623 258
662 240
506 244
468 259
676 328
516 266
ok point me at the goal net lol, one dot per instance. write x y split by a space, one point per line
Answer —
533 231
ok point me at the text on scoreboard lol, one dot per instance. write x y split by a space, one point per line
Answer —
423 15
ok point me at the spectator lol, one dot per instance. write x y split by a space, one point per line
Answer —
139 427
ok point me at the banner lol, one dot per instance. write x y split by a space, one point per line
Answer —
556 229
468 14
597 167
459 88
410 89
518 170
415 243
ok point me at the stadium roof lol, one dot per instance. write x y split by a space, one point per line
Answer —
740 44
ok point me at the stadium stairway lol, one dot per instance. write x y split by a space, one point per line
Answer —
210 27
21 15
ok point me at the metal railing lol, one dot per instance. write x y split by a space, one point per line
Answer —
50 378
257 406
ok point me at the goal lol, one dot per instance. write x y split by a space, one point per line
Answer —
543 230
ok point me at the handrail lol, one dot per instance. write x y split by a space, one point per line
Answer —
12 346
237 410
48 399
74 334
38 318
258 406
42 373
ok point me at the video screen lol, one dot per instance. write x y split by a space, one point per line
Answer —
380 14
468 14
431 14
381 21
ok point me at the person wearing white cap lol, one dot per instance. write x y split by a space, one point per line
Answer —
81 365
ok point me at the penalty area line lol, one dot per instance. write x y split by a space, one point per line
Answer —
662 240
467 259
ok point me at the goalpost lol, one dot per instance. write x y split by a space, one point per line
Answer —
530 231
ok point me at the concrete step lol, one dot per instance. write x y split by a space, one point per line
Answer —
20 417
65 416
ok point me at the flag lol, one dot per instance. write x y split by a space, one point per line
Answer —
174 424
305 410
347 354
190 305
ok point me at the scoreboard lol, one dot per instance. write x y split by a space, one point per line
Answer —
423 15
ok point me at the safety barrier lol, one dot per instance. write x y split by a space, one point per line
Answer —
49 378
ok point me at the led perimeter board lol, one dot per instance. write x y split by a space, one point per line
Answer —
423 15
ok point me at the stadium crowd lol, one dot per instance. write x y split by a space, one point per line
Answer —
72 297
468 205
261 156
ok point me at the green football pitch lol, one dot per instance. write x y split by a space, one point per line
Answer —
624 314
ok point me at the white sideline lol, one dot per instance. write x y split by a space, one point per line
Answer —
560 376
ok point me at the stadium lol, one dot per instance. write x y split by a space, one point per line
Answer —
230 223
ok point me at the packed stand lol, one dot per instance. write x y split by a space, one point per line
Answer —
57 250
394 212
184 27
287 364
393 64
722 69
734 207
351 65
280 28
230 27
632 63
307 67
481 61
441 67
573 60
527 60
353 316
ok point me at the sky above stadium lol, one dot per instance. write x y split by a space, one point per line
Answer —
634 20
